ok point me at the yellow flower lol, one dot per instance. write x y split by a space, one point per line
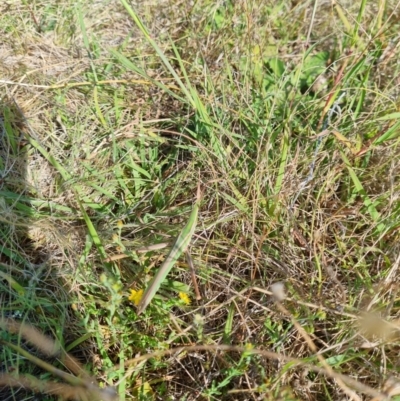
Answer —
248 346
248 350
185 298
136 296
120 224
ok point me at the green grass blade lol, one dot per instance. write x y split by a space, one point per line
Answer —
391 133
130 66
178 248
12 282
78 341
391 116
229 325
159 52
191 94
65 175
92 231
19 201
357 25
98 109
282 164
361 191
86 40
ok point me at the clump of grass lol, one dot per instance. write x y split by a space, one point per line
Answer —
80 387
285 114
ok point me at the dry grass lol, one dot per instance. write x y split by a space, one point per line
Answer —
285 111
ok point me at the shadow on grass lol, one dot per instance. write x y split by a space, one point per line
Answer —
33 299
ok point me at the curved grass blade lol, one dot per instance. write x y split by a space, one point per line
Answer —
373 212
180 246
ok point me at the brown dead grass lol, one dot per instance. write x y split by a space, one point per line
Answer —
233 249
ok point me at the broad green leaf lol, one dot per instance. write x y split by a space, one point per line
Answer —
178 248
314 66
277 66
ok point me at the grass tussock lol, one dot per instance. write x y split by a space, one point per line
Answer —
284 283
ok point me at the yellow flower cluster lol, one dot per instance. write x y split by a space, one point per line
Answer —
185 298
136 296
